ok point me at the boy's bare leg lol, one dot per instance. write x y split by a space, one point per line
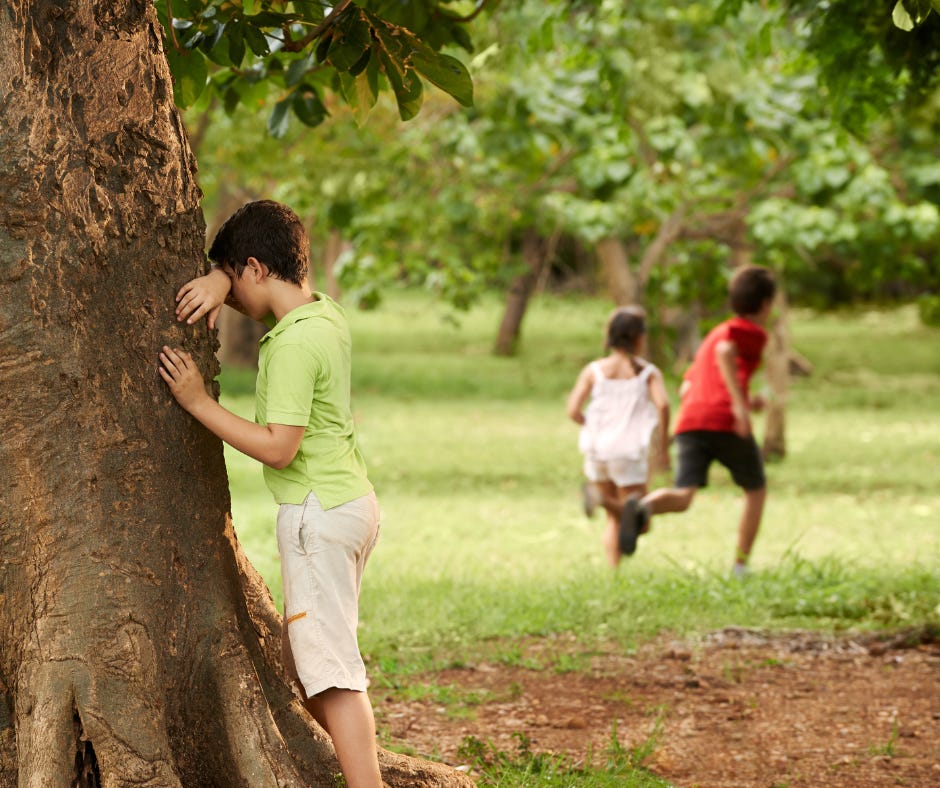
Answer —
348 720
750 523
669 499
347 717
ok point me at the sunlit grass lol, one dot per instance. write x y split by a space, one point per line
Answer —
477 472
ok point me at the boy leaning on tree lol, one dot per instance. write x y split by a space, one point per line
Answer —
303 434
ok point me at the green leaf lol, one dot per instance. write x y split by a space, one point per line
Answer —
256 40
216 46
231 99
323 48
297 70
308 107
405 85
918 9
190 74
236 42
361 64
361 92
901 18
279 120
352 37
446 72
248 7
395 46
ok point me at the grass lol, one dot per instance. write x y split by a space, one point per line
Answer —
483 542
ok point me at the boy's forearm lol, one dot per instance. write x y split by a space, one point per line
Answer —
256 440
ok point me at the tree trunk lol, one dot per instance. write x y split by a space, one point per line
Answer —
777 374
615 271
137 644
333 247
534 253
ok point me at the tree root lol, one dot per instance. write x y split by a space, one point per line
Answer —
306 740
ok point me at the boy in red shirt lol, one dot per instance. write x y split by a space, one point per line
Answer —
714 417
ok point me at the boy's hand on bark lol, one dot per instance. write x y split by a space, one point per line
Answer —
203 295
181 374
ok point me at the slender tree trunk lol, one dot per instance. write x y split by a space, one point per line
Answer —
777 374
619 280
333 247
535 255
137 645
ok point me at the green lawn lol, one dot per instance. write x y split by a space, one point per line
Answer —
477 472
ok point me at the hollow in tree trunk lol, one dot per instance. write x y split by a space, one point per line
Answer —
137 644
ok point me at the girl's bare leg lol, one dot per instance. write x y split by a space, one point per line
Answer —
613 500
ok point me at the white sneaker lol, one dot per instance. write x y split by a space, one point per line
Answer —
740 571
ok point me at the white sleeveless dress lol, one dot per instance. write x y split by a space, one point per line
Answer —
618 427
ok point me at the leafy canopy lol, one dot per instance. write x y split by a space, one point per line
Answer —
243 52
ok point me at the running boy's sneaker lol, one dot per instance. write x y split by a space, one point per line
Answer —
633 519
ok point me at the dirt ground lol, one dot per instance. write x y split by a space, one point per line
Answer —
738 708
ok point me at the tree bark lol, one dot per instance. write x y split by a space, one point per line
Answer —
777 374
535 255
615 271
137 644
333 247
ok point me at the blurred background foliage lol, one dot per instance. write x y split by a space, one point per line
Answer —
637 150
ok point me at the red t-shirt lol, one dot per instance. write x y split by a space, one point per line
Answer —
706 404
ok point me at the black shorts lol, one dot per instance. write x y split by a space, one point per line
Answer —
699 448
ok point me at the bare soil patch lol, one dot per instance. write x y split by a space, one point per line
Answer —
738 708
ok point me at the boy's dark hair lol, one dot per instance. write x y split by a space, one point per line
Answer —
625 327
271 233
750 288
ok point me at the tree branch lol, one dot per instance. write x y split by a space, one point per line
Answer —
169 26
296 46
469 17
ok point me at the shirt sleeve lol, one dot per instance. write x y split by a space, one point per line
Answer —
749 341
292 379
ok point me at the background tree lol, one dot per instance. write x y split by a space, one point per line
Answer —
138 644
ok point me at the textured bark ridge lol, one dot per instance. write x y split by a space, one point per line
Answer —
137 645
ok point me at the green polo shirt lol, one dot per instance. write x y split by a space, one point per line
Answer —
304 366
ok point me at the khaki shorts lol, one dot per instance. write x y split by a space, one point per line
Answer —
621 471
323 554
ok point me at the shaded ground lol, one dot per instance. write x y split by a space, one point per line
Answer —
740 708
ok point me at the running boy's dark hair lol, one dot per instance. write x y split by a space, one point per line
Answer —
750 287
269 232
625 327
